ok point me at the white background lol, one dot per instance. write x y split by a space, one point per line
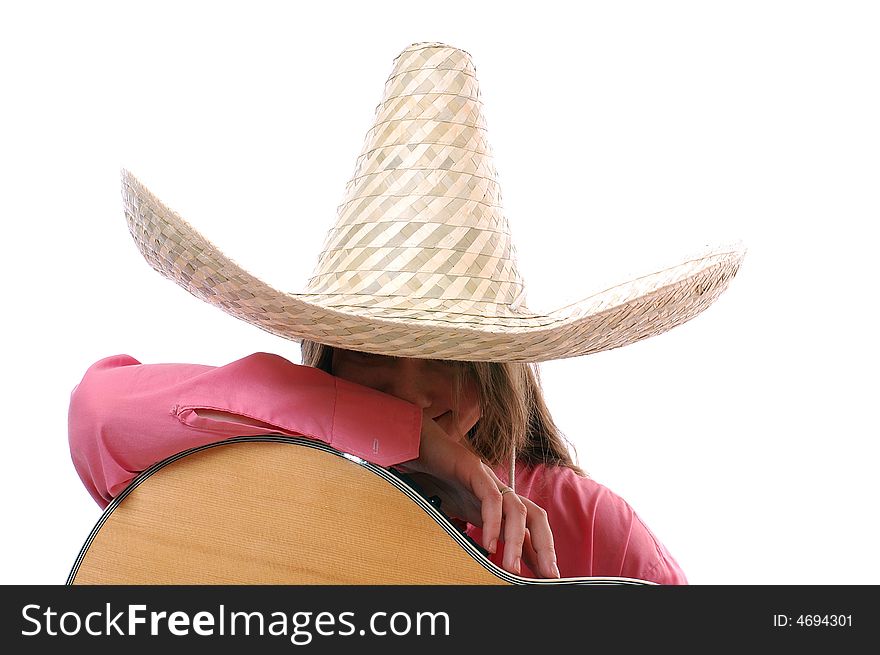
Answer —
626 135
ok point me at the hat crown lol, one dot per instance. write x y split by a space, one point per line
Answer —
421 220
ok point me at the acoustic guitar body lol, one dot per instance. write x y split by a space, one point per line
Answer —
280 510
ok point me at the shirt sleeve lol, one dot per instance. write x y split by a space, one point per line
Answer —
125 416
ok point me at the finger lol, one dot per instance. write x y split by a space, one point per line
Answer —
541 540
515 514
529 556
485 489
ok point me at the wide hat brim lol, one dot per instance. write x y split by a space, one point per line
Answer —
634 310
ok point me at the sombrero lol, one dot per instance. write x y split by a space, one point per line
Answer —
420 261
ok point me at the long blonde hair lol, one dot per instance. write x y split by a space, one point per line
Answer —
515 417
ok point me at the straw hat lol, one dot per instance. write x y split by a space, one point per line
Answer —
420 262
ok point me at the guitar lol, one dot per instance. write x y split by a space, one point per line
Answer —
282 510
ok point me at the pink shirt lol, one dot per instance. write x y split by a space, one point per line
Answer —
126 416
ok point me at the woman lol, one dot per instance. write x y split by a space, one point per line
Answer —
417 343
125 416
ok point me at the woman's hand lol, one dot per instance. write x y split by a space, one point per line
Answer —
470 490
